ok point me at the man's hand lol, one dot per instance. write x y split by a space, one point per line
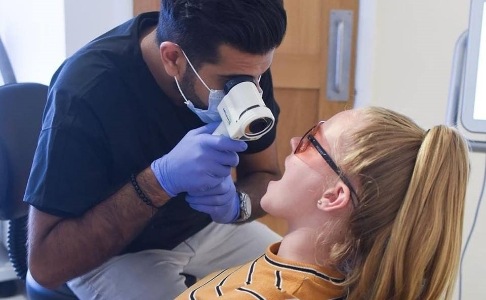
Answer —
222 202
198 163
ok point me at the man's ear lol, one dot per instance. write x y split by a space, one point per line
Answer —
172 58
335 198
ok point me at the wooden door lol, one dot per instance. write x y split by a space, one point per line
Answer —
300 69
300 72
140 6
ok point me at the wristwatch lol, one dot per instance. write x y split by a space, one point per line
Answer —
245 207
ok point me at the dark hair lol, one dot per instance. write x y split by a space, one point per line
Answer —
201 26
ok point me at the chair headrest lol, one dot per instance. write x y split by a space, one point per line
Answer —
21 108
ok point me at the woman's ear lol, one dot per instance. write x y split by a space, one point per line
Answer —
335 198
172 58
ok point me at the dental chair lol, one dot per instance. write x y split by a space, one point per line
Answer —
21 108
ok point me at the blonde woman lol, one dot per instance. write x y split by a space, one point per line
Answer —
375 208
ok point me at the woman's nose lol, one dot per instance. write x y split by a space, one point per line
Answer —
294 142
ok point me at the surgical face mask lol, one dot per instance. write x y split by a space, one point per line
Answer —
215 96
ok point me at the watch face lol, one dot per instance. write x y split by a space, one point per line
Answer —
245 207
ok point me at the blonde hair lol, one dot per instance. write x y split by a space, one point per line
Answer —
404 237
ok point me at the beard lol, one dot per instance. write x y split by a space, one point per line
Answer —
187 87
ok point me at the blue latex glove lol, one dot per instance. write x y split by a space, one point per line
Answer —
222 202
199 162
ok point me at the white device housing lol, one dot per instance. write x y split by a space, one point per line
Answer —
244 114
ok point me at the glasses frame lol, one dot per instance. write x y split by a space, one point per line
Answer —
310 135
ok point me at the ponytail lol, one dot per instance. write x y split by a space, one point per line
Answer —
405 234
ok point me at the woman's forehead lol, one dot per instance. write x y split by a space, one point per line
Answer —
336 126
333 133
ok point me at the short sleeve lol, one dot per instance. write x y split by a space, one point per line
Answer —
69 172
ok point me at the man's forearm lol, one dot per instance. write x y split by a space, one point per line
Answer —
61 249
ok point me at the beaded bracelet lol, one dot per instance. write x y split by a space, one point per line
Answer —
140 193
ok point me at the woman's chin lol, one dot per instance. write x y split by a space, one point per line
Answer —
265 203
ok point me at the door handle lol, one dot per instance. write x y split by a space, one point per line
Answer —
338 72
339 55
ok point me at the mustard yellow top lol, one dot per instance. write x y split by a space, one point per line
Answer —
269 277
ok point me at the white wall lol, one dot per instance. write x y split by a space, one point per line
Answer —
33 37
87 19
39 35
405 53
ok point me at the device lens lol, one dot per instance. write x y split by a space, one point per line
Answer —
258 126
